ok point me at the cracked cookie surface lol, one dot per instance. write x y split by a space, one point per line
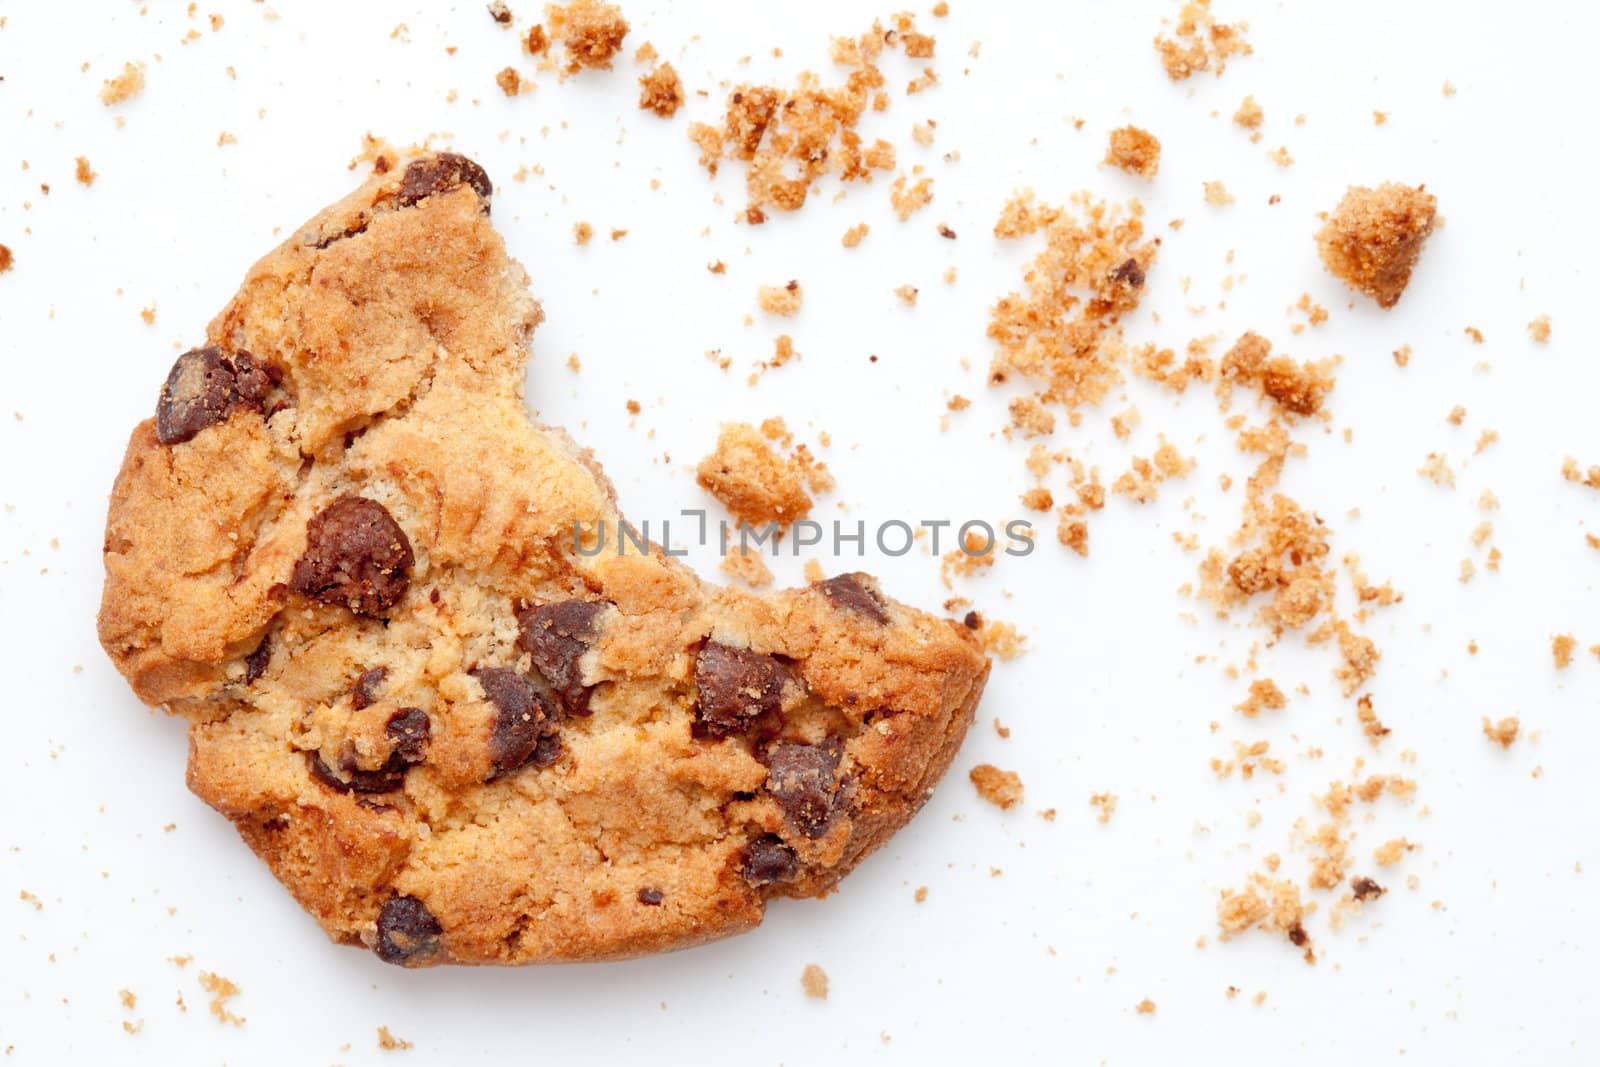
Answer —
344 553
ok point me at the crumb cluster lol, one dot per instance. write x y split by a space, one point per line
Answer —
1199 42
787 139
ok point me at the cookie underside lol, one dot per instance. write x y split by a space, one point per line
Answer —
346 555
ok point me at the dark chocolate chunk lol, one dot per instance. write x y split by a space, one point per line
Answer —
556 636
440 174
1129 273
735 686
525 716
803 779
204 387
352 779
255 664
408 934
652 897
767 861
1366 889
849 592
408 729
365 691
1298 936
356 555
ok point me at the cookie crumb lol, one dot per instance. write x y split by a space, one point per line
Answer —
1000 788
1249 116
582 232
6 259
1105 804
1504 732
1264 694
755 483
1134 151
389 1043
1200 43
1217 194
1145 1007
84 173
854 235
782 300
745 563
509 80
921 895
500 12
1561 646
591 32
124 86
661 91
222 990
907 295
1539 329
814 980
1374 237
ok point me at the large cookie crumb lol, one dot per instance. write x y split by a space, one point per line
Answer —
1374 237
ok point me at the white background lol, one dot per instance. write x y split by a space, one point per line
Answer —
1491 955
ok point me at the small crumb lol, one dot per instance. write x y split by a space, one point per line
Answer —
582 232
389 1043
1249 116
500 12
853 236
782 300
590 31
1134 151
661 91
1539 329
907 295
921 895
814 980
84 173
222 990
124 86
1145 1007
1200 43
1217 194
1000 788
745 563
1504 732
1448 88
1561 647
1105 804
6 259
509 80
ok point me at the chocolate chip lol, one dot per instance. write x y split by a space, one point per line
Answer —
767 861
365 691
556 636
255 664
408 729
352 779
408 934
735 686
849 592
356 555
440 174
525 715
972 620
204 387
803 779
1366 889
652 897
1298 936
1129 274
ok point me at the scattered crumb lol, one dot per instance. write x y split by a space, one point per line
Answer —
1375 236
854 235
661 91
1539 329
222 990
124 86
1268 904
755 482
1217 194
1134 151
389 1043
921 895
1503 732
1249 116
814 980
129 999
1200 43
907 200
907 295
1000 788
582 232
509 80
1145 1007
780 300
1264 694
1105 804
1561 647
84 173
591 32
1437 470
6 259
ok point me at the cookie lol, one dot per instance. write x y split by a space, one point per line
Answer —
459 716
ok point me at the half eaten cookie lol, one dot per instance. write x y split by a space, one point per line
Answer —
345 554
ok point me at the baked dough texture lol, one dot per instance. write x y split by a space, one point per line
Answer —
345 554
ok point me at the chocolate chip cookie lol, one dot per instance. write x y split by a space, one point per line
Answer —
460 717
